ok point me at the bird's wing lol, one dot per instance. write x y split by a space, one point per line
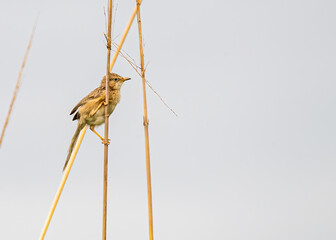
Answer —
98 92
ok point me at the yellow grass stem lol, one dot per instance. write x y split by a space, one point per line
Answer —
145 123
106 120
124 35
61 186
18 83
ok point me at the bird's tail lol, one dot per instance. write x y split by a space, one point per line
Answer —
80 126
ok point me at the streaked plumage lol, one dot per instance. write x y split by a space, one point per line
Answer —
91 111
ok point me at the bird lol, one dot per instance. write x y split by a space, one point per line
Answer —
91 109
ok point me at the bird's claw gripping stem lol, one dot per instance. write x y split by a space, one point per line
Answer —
106 143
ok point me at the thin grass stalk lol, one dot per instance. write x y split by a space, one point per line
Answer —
61 186
124 36
106 120
18 83
136 67
145 123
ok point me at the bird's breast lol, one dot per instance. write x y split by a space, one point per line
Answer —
99 117
114 97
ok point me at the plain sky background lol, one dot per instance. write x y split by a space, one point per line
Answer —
251 155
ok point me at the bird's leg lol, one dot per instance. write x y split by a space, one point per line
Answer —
101 138
92 129
93 112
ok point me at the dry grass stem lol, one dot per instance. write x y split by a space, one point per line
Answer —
161 99
61 186
124 35
145 123
109 32
18 82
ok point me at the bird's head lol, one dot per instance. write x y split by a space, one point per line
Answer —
115 81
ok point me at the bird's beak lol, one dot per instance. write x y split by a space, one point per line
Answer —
125 79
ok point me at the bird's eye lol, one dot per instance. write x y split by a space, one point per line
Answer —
115 79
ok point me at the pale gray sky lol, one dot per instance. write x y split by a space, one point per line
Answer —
250 157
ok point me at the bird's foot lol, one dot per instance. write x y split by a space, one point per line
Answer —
106 143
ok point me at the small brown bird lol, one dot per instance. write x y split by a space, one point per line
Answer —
91 110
